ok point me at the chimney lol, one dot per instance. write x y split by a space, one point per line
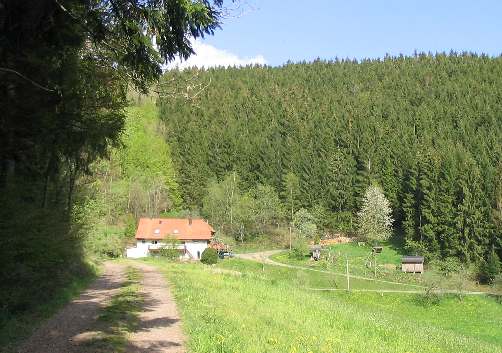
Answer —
190 220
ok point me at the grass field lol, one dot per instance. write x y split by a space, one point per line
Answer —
388 268
275 240
240 306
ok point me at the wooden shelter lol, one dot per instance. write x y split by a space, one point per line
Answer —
315 252
412 264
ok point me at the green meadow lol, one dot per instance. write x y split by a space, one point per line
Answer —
242 306
389 268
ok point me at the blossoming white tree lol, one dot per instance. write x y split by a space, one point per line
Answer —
374 218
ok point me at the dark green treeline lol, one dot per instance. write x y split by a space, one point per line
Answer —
428 129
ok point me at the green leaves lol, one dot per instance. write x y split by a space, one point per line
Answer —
328 130
374 218
304 224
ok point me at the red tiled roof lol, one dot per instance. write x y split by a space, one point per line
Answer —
160 228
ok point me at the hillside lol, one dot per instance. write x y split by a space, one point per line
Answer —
138 179
246 307
426 128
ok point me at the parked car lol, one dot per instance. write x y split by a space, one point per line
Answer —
225 254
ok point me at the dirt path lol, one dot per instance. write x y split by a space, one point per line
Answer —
159 329
264 257
63 332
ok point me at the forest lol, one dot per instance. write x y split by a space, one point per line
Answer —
427 129
66 69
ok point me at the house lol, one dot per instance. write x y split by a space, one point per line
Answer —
153 234
413 264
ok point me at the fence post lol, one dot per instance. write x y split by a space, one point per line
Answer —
348 277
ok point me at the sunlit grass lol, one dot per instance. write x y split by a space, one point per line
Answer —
240 306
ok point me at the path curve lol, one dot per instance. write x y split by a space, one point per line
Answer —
264 257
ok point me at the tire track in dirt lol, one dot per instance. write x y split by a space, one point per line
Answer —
75 326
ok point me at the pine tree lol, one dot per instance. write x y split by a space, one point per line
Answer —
411 220
339 182
428 203
446 233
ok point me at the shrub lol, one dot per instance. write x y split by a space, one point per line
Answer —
299 250
209 256
489 269
448 266
431 296
131 225
170 251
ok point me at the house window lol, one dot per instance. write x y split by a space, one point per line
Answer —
154 241
143 241
198 254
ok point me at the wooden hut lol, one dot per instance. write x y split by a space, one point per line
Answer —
414 264
315 252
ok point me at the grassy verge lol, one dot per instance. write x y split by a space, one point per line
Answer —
240 306
18 327
120 318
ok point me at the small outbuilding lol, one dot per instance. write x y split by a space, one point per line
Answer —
412 264
315 252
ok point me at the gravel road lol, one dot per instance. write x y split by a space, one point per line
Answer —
61 333
160 325
159 329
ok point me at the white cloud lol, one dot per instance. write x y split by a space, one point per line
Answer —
208 56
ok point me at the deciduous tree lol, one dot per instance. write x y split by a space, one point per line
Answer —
374 218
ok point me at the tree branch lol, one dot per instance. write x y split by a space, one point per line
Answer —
4 69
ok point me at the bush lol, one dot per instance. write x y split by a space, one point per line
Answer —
299 250
448 266
171 249
169 253
431 296
489 269
209 256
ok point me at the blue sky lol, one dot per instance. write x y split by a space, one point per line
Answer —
275 31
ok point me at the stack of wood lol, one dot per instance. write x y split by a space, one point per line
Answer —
333 241
219 246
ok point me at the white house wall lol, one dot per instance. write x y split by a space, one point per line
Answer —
195 248
137 252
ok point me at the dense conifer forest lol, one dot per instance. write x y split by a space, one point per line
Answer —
427 129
